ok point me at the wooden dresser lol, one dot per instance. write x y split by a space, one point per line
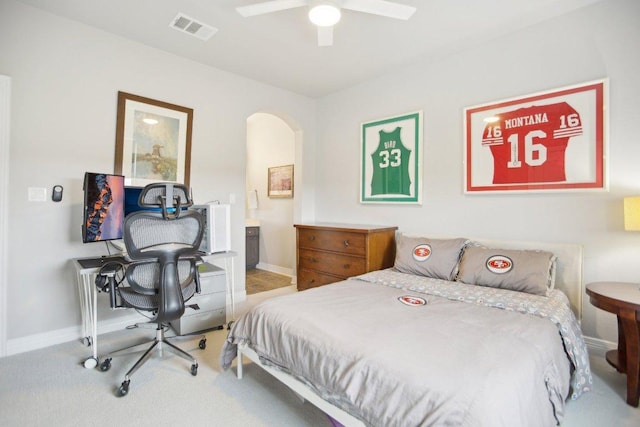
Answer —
328 253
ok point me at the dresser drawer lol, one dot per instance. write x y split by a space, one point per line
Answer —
330 252
310 279
332 263
330 240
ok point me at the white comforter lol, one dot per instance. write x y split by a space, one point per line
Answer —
448 362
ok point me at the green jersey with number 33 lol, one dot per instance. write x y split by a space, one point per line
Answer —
391 165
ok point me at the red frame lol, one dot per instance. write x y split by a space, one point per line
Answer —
598 88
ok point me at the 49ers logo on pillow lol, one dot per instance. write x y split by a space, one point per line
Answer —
499 264
412 301
422 252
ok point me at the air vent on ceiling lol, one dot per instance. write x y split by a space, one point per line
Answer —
190 26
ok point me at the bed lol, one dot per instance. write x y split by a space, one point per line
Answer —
465 332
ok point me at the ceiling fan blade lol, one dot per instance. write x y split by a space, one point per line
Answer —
380 7
325 36
269 6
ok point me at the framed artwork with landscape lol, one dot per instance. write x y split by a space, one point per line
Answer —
546 141
153 141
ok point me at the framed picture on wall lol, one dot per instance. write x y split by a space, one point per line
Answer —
280 182
546 141
153 141
391 160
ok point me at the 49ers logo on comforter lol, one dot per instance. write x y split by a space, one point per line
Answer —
412 301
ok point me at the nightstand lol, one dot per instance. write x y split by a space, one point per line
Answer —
623 300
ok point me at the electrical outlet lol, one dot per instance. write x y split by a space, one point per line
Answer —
232 198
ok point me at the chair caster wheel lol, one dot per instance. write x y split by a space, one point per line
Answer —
203 343
123 390
105 365
90 363
194 369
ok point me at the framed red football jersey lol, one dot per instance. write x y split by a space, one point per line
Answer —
553 140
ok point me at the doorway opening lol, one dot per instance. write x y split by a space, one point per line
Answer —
270 235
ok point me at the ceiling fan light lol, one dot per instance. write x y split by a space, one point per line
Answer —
324 15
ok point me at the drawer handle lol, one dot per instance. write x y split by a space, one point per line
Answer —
312 237
312 259
312 281
346 243
347 266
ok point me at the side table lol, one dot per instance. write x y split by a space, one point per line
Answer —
623 300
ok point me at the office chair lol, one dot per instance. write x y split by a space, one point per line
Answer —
163 274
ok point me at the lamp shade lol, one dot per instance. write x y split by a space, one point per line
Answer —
632 213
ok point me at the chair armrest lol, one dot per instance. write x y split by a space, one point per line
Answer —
194 268
196 278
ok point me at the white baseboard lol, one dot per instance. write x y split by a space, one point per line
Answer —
599 347
275 269
46 339
238 297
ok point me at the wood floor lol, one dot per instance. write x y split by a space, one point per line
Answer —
262 280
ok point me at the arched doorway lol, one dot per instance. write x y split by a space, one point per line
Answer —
271 143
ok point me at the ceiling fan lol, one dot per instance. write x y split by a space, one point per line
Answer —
326 13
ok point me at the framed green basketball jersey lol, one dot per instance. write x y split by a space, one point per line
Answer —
391 160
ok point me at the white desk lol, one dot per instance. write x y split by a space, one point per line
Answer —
89 299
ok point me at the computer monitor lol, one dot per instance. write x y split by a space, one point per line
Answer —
103 210
131 196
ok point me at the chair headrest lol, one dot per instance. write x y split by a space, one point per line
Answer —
169 196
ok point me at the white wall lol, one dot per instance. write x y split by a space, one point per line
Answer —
599 41
271 142
65 79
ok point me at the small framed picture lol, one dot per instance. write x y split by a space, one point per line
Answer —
546 141
391 160
280 182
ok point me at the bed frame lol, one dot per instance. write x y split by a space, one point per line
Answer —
301 389
568 280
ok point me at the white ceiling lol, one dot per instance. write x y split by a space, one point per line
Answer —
281 48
